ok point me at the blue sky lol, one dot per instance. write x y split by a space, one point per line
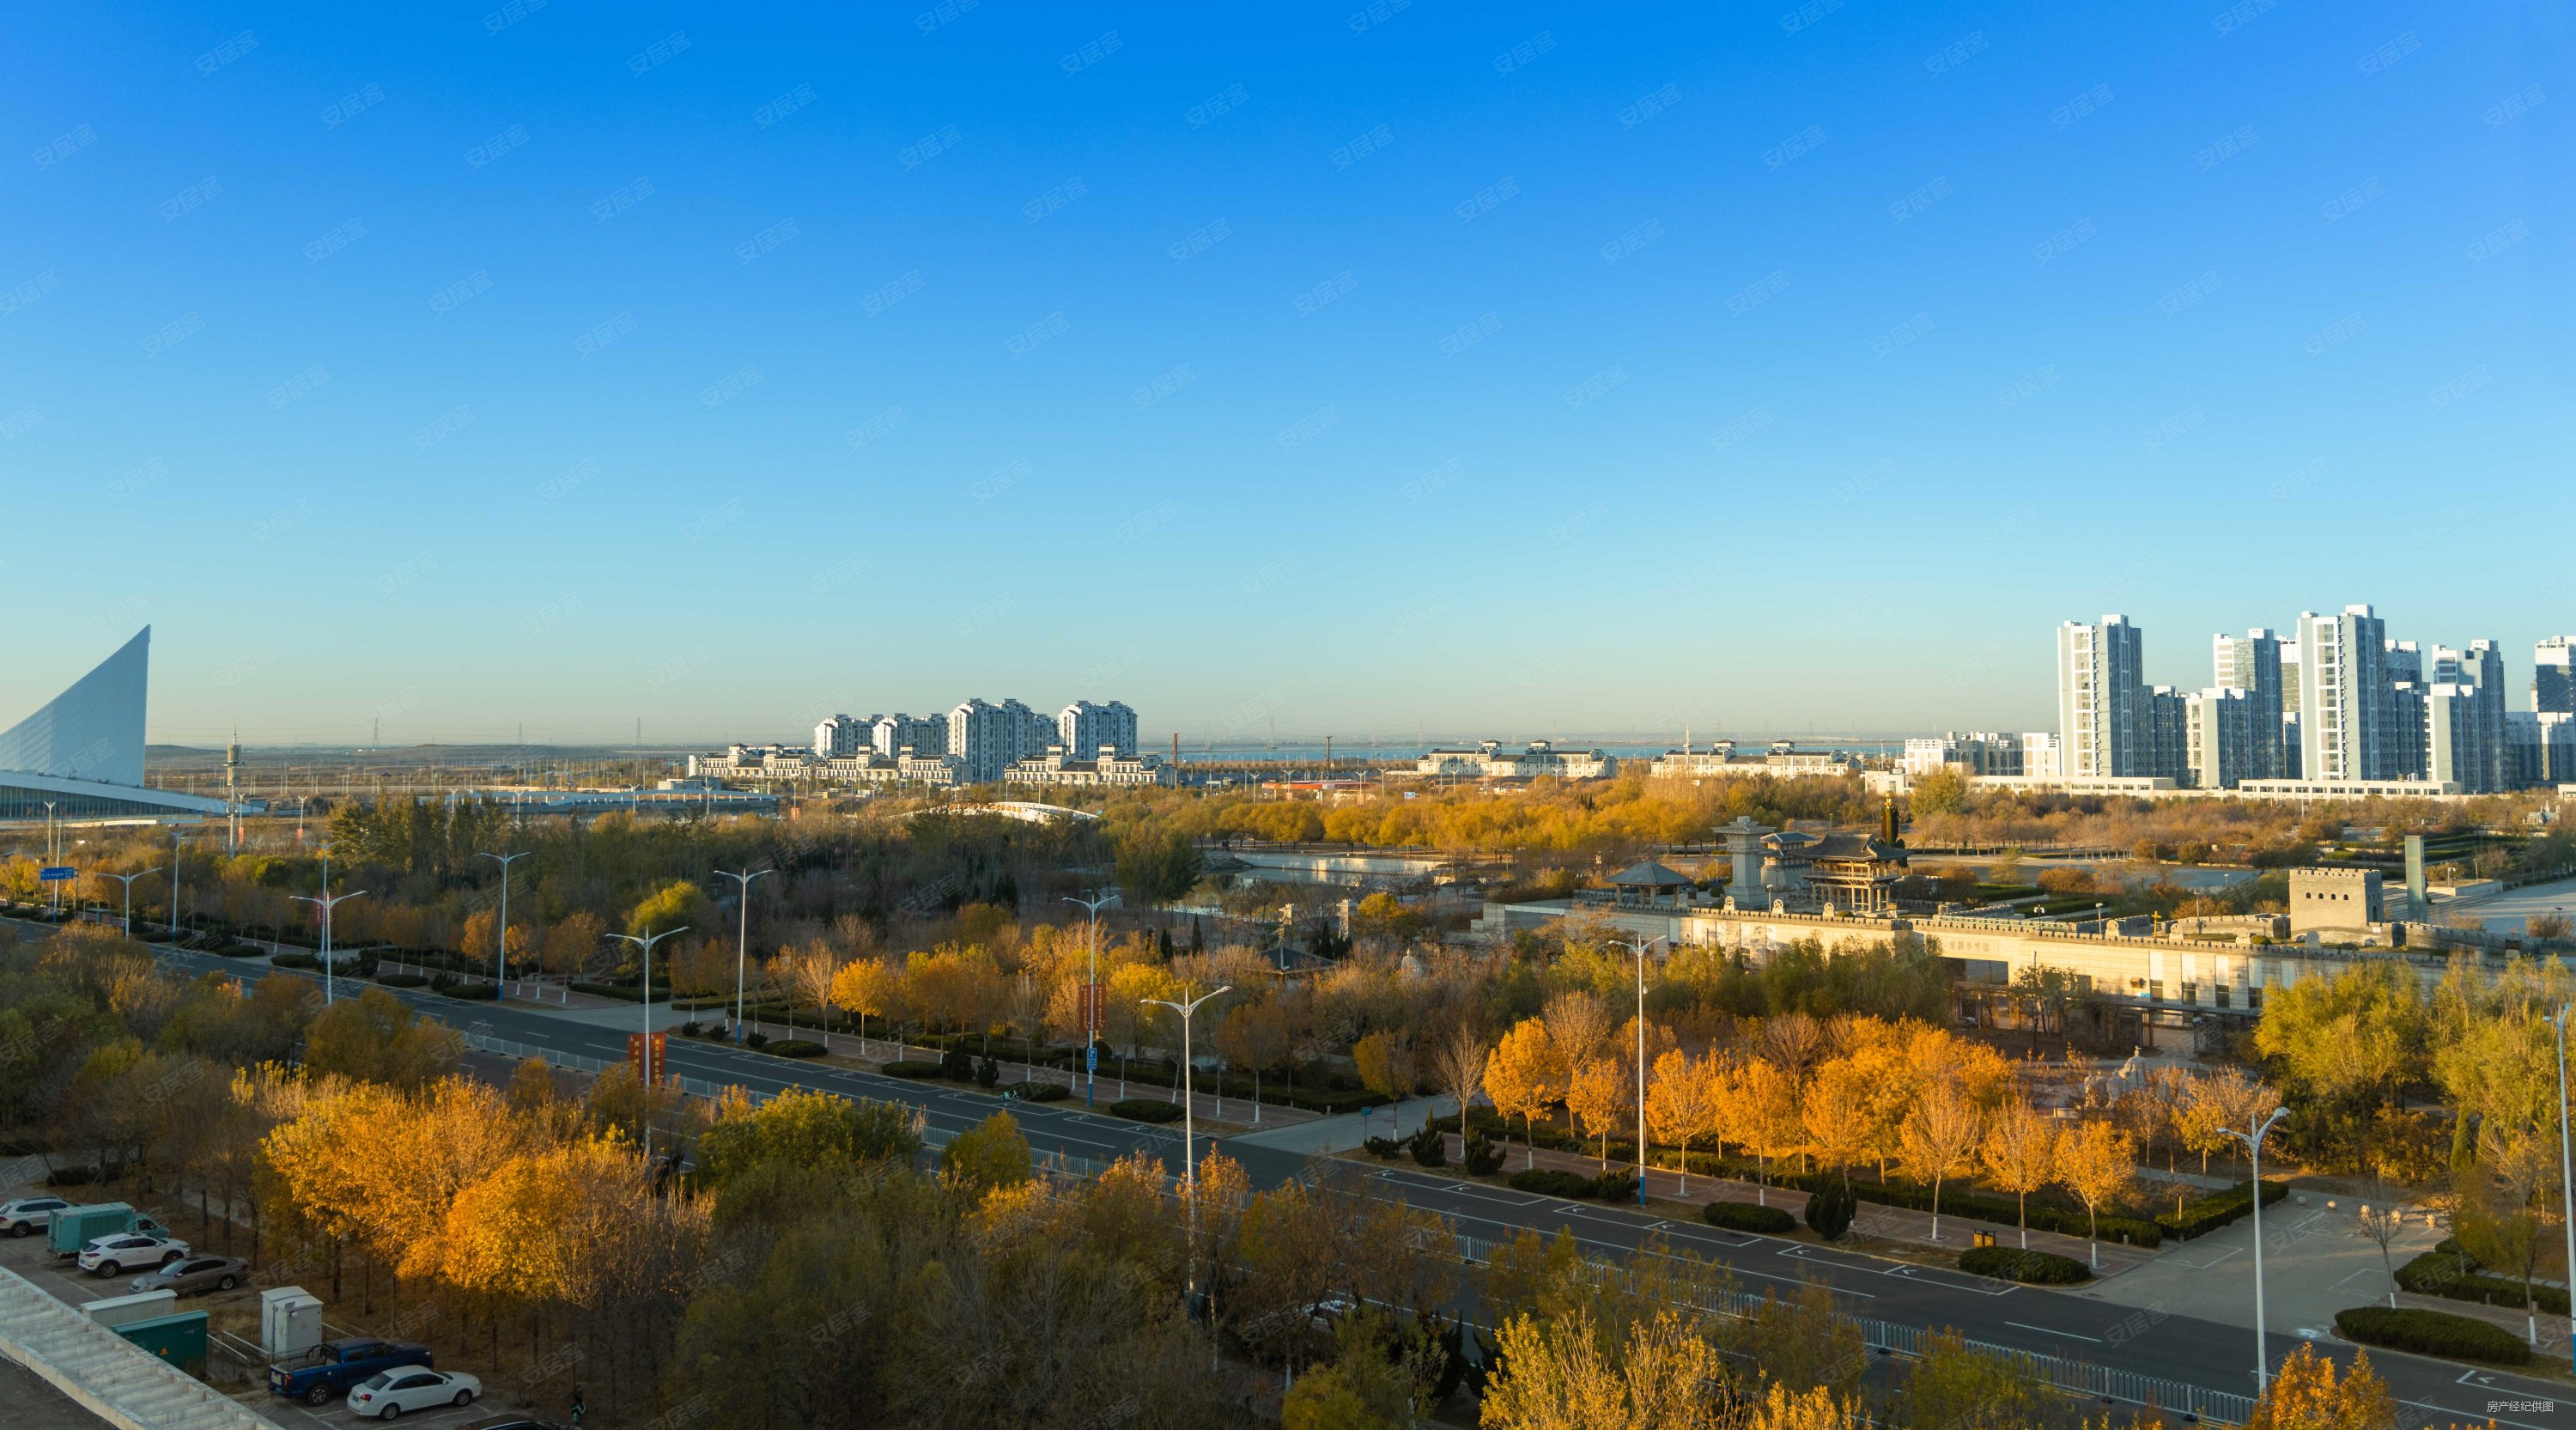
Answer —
1501 368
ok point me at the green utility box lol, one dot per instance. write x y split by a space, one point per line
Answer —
180 1339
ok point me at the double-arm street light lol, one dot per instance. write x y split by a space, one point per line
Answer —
742 942
326 903
128 881
645 941
1091 996
1189 1119
501 955
2254 1147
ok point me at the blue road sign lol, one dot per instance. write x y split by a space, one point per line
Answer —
1091 1058
56 873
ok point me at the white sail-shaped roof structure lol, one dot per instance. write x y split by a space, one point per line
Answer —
94 730
82 752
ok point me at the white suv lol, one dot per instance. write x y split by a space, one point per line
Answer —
29 1215
129 1251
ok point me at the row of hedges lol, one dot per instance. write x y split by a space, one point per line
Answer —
1615 1185
2449 1272
2204 1215
2036 1268
2046 1214
1146 1109
1746 1216
2437 1333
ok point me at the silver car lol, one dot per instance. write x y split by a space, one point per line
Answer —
193 1275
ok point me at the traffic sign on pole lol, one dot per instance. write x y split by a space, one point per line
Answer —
56 873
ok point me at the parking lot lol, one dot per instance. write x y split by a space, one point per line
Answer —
28 1257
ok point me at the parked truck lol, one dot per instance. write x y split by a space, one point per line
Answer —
325 1373
76 1227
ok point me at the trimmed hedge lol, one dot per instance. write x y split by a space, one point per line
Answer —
2045 1214
402 980
1616 1187
296 960
2204 1215
1044 1092
2035 1268
1145 1109
471 992
1385 1149
913 1067
1745 1216
1554 1182
2452 1273
2436 1333
795 1048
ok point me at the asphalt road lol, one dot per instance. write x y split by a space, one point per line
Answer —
2168 1342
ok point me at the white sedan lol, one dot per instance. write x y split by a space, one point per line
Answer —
130 1251
389 1393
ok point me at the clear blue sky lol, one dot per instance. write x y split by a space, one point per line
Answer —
1500 368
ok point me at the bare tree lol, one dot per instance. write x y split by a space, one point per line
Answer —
2380 1219
1458 1066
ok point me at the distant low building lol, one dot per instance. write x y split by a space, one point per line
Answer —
1979 752
1109 767
790 764
1489 760
1782 761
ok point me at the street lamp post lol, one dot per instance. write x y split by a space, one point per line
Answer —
646 942
1189 1118
52 856
326 903
128 881
742 943
2566 1156
501 952
176 839
1091 997
1638 947
2254 1148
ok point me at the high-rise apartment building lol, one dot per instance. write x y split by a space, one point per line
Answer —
2223 734
2343 695
2455 743
2557 738
2407 756
2553 676
2252 663
989 738
923 735
1083 728
2101 720
2167 754
840 735
2479 669
2043 755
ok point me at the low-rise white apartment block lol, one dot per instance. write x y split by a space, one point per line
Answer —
1108 767
1489 760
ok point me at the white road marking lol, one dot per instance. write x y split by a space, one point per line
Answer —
2045 1331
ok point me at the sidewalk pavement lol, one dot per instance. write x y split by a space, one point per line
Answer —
1349 1131
2316 1261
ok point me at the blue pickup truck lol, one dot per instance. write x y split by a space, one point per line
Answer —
326 1372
